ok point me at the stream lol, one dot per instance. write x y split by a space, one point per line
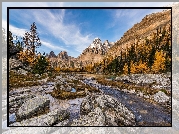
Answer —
147 114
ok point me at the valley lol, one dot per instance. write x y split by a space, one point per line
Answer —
122 83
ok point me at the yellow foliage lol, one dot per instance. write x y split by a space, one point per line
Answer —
138 67
142 67
159 62
88 68
57 69
27 56
125 69
133 68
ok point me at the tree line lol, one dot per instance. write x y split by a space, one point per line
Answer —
151 56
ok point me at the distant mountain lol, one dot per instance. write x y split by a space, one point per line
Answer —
151 29
95 52
52 55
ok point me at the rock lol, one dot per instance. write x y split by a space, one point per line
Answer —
85 106
160 97
146 96
94 118
52 55
18 67
63 55
20 97
45 120
140 94
132 91
13 50
32 106
115 113
68 88
37 75
19 91
19 100
63 123
58 77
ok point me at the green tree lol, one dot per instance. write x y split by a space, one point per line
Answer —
31 39
41 65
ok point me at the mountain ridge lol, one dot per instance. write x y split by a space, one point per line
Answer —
150 26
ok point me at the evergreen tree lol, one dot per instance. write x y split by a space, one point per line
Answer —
31 39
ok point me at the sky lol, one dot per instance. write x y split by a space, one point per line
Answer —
73 30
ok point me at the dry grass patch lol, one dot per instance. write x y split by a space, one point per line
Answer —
146 89
77 85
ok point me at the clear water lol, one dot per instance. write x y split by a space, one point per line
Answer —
73 90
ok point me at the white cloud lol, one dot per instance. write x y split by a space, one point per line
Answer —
49 45
70 34
15 31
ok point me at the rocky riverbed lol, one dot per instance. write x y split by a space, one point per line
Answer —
92 104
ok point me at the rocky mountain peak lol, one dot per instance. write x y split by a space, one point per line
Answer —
63 55
96 43
52 55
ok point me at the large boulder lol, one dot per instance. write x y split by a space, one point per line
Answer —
32 107
18 66
19 99
49 119
115 113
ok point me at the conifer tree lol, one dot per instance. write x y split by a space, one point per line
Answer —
159 62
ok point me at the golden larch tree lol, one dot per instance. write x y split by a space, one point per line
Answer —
159 62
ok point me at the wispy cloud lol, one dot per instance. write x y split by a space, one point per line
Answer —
51 23
70 34
15 30
51 46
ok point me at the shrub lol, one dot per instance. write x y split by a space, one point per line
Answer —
41 65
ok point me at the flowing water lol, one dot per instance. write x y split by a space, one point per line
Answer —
147 114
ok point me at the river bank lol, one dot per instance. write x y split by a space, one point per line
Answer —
98 104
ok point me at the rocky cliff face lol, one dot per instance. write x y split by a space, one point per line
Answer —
151 26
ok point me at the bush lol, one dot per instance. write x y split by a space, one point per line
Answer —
41 65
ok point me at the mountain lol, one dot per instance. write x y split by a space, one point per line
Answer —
151 25
52 55
95 52
154 32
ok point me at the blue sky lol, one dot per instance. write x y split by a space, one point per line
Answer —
73 30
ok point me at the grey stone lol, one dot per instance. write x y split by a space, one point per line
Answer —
19 91
115 113
94 118
32 106
161 97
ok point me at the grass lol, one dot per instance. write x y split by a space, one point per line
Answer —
146 89
21 80
60 94
78 85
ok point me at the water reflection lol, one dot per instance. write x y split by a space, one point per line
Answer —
73 90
